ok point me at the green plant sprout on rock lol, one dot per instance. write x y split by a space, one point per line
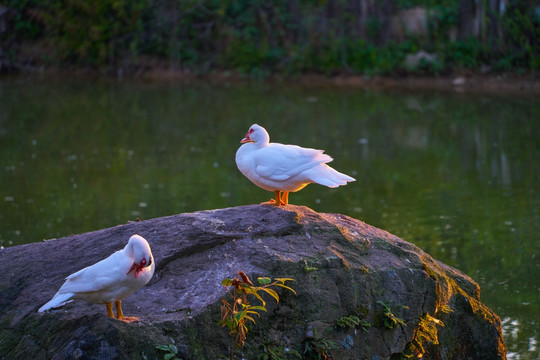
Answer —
389 320
352 322
308 268
171 351
236 312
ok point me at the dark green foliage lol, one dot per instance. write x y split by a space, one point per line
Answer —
522 37
353 321
469 54
444 17
258 38
387 316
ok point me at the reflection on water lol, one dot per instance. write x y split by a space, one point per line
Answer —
457 174
511 333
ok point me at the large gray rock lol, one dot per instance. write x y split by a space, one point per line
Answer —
344 269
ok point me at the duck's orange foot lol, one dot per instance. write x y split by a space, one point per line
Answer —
278 201
271 202
129 319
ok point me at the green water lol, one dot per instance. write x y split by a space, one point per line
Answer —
456 174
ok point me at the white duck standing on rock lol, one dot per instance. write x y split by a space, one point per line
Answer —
110 280
284 168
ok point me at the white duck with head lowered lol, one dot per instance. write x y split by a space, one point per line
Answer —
109 280
284 168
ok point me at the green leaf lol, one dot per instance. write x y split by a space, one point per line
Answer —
254 292
168 356
286 287
163 347
173 348
245 286
245 328
264 280
250 318
254 312
272 293
262 308
226 282
239 315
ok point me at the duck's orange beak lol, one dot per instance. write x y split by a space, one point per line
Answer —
246 139
136 268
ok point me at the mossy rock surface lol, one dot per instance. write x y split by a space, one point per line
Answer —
342 268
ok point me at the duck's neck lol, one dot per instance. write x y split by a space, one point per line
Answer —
129 250
264 140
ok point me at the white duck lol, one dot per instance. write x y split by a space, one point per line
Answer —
284 168
110 280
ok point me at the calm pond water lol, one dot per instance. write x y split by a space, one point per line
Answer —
456 174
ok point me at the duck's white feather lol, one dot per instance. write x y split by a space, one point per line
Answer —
109 279
275 166
282 162
57 301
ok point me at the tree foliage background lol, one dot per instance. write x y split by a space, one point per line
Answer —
259 37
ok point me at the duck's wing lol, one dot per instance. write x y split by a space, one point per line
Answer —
101 275
279 162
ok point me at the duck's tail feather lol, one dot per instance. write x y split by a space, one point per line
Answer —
328 176
57 301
